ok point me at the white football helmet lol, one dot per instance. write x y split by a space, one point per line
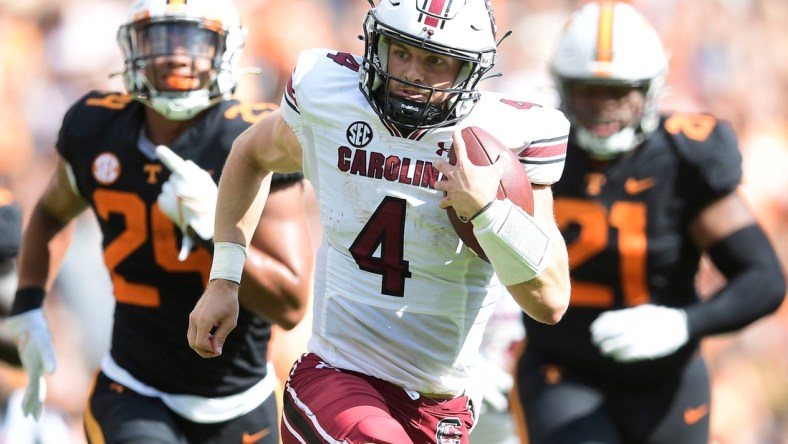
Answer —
463 29
610 43
201 28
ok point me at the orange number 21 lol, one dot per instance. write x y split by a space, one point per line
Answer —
595 222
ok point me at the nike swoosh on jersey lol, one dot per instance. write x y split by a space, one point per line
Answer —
693 415
117 388
553 374
253 438
636 186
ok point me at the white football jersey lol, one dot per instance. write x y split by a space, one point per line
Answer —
398 296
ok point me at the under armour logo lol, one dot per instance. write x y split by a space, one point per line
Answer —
441 149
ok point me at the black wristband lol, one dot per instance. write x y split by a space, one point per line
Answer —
482 209
28 298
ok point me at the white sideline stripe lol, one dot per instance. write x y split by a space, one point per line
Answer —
303 407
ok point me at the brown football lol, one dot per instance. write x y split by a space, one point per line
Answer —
483 149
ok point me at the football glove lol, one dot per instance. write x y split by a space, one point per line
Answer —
640 333
188 197
35 351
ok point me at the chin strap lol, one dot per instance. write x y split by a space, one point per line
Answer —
413 114
606 148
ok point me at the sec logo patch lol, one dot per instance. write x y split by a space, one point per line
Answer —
359 134
106 168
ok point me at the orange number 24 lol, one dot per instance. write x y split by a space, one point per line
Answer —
165 245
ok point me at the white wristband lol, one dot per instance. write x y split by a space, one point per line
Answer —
513 242
228 261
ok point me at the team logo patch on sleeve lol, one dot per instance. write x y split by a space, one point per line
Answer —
106 168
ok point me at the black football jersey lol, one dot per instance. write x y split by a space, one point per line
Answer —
154 291
625 223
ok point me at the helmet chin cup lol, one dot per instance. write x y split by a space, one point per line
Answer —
608 147
410 114
180 106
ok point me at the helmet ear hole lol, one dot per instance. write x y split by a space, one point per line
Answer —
464 75
383 45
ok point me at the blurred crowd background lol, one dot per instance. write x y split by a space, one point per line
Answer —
727 57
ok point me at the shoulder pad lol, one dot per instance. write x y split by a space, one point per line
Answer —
232 117
245 113
537 134
91 112
709 145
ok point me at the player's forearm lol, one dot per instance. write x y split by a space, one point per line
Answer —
49 230
243 190
546 297
43 248
274 290
280 264
755 284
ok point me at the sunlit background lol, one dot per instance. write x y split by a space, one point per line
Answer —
727 57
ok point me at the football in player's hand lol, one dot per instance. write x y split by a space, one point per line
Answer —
483 149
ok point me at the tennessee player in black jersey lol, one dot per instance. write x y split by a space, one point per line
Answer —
147 164
642 197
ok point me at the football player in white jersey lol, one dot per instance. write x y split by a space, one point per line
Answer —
400 302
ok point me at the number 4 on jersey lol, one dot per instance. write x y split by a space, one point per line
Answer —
385 229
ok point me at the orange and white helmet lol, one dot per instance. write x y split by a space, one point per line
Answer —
608 42
150 32
463 29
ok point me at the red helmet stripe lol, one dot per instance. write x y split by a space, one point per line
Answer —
434 7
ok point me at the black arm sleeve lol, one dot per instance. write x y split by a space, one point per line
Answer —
755 284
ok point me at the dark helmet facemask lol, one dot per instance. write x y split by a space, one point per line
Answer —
412 114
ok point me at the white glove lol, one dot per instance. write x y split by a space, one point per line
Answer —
639 333
188 198
35 351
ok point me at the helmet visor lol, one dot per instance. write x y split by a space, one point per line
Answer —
176 56
166 38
